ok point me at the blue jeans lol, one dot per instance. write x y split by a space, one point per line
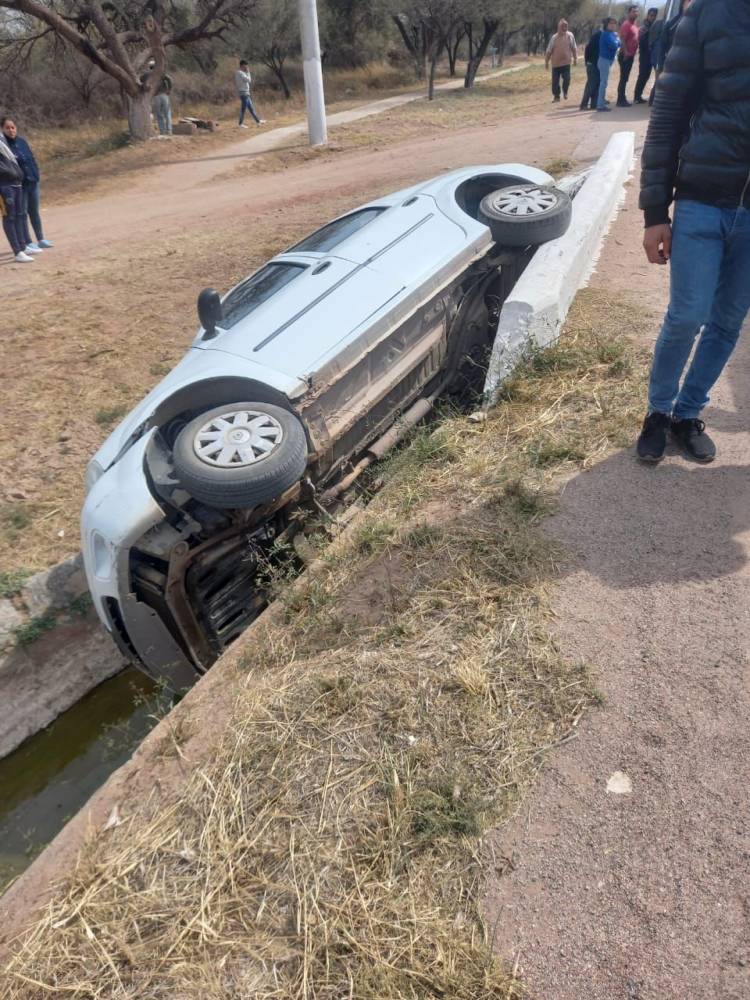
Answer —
246 104
709 288
162 109
30 209
604 66
591 90
14 221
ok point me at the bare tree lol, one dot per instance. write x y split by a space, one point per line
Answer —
120 36
426 28
84 76
489 20
355 30
273 36
453 44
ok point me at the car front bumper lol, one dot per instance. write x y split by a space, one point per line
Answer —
118 511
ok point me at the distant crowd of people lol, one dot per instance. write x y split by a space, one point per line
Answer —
650 42
19 195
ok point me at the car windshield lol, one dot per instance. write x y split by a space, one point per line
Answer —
325 239
256 290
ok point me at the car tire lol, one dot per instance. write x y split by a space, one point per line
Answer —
240 455
525 215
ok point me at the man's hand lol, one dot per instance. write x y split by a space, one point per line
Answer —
657 242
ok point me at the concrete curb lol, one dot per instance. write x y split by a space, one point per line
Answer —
53 651
534 313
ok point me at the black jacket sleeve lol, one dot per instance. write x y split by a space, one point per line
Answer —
678 94
591 52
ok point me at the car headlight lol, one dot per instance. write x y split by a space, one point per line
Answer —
93 473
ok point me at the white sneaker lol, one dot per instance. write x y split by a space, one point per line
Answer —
243 125
23 258
45 244
262 121
33 248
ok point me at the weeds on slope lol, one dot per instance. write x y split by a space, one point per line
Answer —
392 713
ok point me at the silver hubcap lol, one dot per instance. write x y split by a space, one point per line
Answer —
524 201
237 438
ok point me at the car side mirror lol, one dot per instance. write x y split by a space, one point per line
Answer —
209 311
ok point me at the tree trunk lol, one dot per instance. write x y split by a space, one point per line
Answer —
453 47
278 70
139 117
475 61
433 66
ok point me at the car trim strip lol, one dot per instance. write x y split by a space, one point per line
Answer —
339 283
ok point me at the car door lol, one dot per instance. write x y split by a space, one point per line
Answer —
309 316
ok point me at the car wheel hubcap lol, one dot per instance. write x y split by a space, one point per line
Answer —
518 202
237 438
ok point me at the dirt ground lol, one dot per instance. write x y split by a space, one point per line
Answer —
643 895
625 875
95 322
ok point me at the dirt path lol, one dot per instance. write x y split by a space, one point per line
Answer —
167 192
644 896
190 195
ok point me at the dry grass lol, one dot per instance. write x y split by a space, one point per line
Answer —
332 846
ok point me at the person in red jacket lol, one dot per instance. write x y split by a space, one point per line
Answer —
626 56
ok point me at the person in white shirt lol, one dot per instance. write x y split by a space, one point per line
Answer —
243 80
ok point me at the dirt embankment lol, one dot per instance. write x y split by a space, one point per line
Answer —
314 812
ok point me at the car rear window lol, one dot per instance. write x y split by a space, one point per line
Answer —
256 290
325 239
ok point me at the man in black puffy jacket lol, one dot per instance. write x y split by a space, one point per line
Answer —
697 153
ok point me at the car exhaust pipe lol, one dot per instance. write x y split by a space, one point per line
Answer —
380 448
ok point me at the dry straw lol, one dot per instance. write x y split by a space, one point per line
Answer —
335 844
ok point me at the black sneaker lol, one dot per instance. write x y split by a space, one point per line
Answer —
624 104
652 441
640 100
690 436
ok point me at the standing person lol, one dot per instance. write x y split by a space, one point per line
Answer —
697 152
161 105
645 60
629 46
665 39
561 53
11 176
591 57
609 43
656 45
243 80
29 186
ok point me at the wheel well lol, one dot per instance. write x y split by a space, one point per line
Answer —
470 193
194 399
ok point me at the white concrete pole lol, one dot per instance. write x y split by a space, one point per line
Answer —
314 96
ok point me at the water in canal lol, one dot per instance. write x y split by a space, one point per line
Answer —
47 779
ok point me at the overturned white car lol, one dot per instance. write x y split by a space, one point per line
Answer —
299 371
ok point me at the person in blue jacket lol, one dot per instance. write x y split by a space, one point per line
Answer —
30 186
609 43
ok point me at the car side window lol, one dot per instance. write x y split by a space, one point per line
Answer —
325 239
256 290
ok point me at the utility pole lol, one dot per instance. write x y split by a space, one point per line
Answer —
314 96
